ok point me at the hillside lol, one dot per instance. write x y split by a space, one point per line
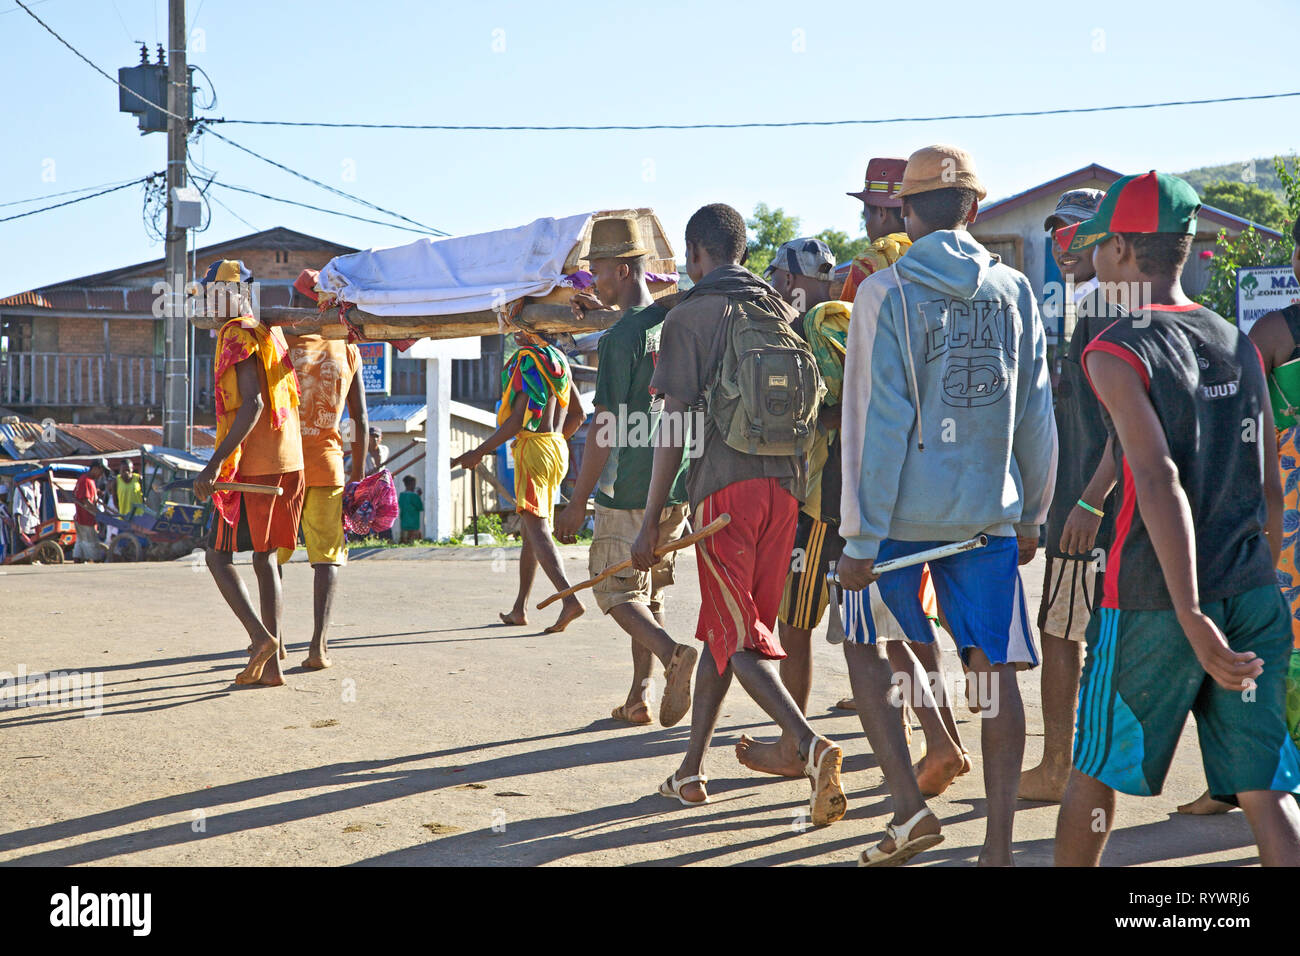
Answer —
1265 177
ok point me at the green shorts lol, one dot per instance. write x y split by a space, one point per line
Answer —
1141 678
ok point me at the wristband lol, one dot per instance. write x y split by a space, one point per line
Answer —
1090 509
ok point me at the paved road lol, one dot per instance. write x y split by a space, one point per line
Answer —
438 738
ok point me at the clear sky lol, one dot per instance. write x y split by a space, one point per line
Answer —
546 63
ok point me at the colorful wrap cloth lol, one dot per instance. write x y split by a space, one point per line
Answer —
1288 567
881 254
239 339
370 504
538 372
826 328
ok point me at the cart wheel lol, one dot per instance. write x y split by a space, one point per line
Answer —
48 552
125 548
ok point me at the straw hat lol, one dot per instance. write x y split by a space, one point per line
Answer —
616 237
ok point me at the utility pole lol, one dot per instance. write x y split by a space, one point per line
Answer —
176 410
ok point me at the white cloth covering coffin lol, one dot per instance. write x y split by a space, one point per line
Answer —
456 275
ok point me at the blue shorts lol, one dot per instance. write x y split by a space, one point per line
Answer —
979 591
867 619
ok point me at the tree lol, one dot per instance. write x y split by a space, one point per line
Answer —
1250 248
844 248
1246 200
770 228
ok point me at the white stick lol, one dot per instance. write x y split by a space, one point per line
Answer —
921 557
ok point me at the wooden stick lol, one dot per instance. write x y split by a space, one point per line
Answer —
713 527
534 316
246 487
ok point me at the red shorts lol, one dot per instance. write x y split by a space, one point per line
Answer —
266 522
740 593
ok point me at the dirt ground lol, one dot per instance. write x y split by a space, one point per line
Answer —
438 737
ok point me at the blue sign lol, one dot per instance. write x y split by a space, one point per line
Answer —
376 367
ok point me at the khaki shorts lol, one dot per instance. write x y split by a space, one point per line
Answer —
616 529
1071 591
322 526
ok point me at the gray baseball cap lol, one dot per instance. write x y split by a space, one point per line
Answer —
803 257
1074 206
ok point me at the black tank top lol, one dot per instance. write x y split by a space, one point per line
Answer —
1206 381
1292 316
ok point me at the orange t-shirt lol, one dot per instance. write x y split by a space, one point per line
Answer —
326 368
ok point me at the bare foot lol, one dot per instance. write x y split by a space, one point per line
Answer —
846 703
935 774
317 662
263 651
570 611
1045 783
1205 805
778 759
514 618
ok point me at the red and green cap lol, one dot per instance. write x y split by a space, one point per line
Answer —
1150 202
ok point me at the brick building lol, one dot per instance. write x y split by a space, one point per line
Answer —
90 349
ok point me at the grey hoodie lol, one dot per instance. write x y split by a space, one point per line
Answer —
977 454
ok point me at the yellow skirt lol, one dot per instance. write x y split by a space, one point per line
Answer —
541 462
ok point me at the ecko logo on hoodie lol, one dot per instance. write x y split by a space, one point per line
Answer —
971 338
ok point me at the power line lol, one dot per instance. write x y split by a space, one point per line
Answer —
202 126
15 9
66 192
235 214
332 212
32 212
776 125
164 110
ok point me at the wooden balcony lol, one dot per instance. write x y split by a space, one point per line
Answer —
59 379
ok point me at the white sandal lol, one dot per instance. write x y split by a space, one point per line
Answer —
904 846
827 803
672 787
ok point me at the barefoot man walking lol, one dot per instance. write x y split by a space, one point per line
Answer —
327 374
617 463
257 442
540 410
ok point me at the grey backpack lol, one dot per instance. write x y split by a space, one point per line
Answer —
765 395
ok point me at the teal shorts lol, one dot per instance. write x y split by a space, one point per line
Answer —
1141 679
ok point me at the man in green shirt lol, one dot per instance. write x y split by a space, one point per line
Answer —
409 507
616 464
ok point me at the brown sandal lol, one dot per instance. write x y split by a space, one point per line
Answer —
624 713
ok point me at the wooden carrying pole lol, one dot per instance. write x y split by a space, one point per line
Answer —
534 316
246 487
713 527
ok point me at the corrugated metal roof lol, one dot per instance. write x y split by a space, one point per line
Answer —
393 411
26 298
25 440
106 438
